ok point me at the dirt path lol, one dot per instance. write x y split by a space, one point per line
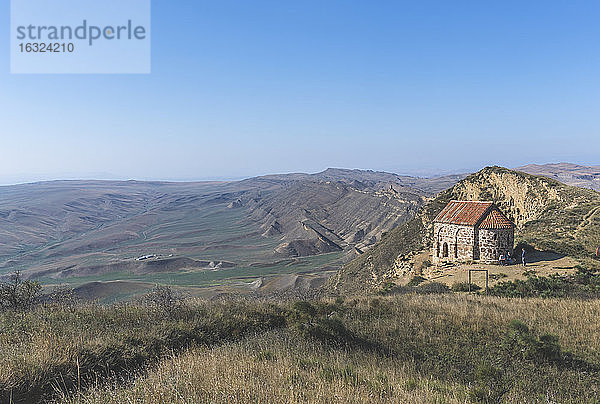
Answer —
587 219
543 264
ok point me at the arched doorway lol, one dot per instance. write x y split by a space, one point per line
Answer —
445 250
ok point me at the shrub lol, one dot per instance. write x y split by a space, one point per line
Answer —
416 281
339 302
520 342
19 294
386 288
578 285
328 330
315 322
268 355
585 275
489 384
64 297
303 309
433 288
549 349
163 298
464 287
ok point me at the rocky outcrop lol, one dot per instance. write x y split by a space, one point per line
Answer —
522 197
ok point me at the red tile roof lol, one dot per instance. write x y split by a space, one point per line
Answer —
472 213
463 212
496 220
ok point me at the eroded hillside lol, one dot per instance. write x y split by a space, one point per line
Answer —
317 217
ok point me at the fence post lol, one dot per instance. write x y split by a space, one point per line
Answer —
469 281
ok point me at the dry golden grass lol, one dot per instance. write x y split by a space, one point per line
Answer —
575 322
56 349
278 367
405 349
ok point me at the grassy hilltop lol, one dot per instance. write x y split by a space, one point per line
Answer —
407 348
549 215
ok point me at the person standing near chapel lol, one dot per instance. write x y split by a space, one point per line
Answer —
523 256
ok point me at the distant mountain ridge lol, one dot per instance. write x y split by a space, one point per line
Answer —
567 173
430 185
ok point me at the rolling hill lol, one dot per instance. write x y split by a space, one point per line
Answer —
202 233
550 216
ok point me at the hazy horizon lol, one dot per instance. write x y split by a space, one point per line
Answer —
114 177
239 90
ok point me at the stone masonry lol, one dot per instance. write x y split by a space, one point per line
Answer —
469 231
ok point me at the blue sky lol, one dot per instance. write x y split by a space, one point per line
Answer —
247 88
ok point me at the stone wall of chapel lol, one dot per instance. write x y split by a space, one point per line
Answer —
495 242
453 242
